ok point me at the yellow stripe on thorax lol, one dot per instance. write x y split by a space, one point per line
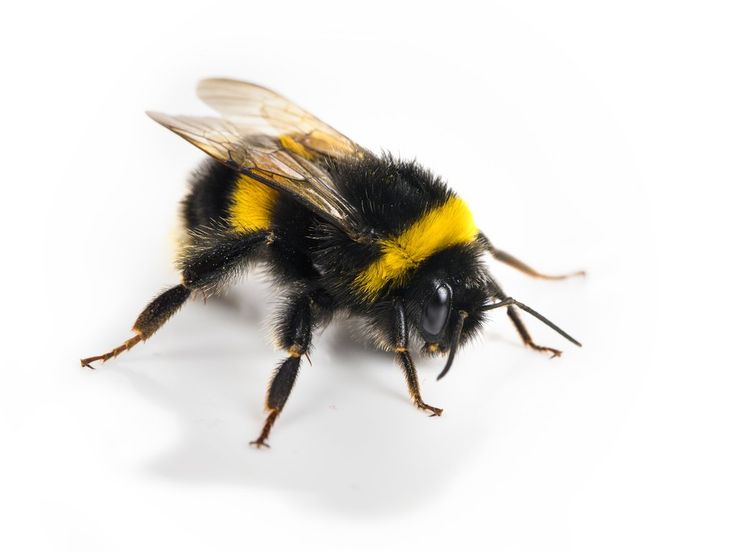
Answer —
252 205
442 227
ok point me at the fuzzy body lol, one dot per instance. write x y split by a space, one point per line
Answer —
341 229
420 233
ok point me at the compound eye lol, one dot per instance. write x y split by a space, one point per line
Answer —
437 310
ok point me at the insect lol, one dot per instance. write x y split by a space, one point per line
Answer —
340 229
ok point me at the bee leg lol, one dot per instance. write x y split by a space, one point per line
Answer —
400 340
512 261
294 332
496 291
151 319
526 338
210 260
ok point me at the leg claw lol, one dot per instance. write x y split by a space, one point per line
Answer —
433 409
87 362
553 352
258 443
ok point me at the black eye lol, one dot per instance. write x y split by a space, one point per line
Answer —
436 310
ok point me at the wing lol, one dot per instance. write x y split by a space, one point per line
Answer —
263 111
274 161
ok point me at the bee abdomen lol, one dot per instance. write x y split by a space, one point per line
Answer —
221 194
252 205
210 196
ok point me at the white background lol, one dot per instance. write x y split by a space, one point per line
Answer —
596 135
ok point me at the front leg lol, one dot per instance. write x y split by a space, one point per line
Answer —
400 340
294 333
496 291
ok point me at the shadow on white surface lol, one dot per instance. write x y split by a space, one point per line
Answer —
349 440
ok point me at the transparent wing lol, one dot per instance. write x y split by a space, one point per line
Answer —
269 160
258 110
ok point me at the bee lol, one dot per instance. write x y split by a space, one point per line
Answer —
339 228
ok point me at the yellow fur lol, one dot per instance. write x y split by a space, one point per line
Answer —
450 224
252 204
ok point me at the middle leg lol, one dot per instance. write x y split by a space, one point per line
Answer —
513 314
526 337
294 333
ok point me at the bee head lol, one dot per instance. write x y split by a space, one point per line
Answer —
445 300
448 297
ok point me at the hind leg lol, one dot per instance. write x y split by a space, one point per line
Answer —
212 258
151 319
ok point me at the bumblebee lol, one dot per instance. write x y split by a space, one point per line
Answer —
340 229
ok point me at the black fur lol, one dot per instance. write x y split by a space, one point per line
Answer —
210 196
295 240
215 255
461 268
389 194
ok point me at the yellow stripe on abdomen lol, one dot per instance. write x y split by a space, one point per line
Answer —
444 226
252 205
